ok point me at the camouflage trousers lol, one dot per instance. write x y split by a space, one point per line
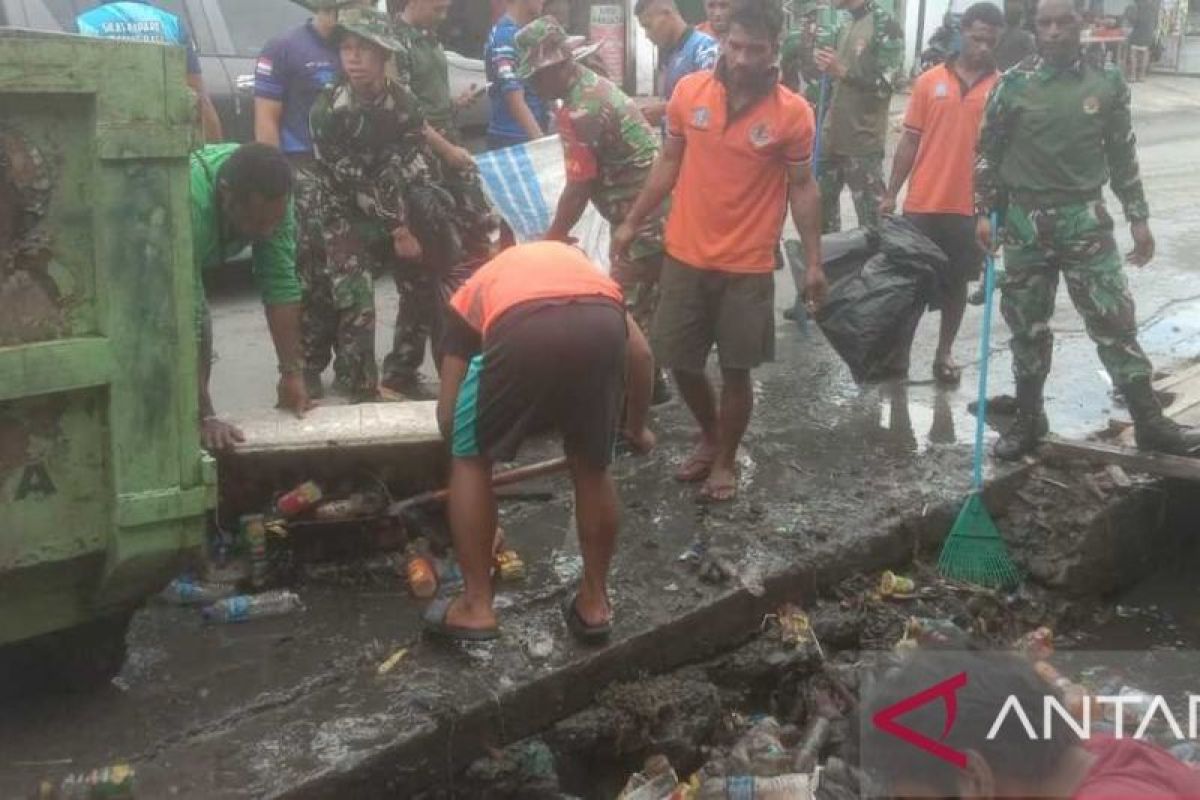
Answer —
638 279
333 261
418 321
864 176
1074 240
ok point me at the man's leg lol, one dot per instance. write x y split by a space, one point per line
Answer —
402 366
354 294
318 321
864 174
701 399
683 334
597 519
737 402
1027 303
472 510
831 182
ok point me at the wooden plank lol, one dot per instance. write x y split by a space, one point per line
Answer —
331 427
1177 378
1125 457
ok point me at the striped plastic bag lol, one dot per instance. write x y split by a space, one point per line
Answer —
524 183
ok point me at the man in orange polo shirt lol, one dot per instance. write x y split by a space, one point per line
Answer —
537 340
739 146
936 155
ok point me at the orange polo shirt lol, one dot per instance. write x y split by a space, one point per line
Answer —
534 271
947 115
728 206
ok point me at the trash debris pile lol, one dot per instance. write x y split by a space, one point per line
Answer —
250 573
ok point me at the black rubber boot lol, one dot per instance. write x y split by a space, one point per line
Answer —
1151 429
1029 427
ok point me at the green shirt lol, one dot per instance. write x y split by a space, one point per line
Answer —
274 262
422 66
871 47
608 143
1058 134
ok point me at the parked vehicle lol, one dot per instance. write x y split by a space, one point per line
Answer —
229 35
103 485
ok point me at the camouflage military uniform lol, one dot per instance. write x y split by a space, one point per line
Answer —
607 141
377 174
797 67
871 47
421 67
1051 138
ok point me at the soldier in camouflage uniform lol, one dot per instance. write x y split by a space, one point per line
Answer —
863 70
1055 130
797 64
421 66
609 148
379 200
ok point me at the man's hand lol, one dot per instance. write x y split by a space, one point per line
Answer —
405 244
887 205
467 97
827 62
216 435
816 287
1143 244
293 395
983 235
622 237
640 442
459 158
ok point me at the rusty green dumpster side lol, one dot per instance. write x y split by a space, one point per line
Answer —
103 487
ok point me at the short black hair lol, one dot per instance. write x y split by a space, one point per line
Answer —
758 17
991 678
643 5
983 12
257 168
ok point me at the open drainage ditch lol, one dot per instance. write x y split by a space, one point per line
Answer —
1111 564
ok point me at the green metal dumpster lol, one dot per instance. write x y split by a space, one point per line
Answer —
103 486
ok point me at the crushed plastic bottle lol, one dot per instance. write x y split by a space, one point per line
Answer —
746 787
299 500
107 783
656 781
186 591
254 532
760 751
243 607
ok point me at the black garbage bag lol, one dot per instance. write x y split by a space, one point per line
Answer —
842 253
871 314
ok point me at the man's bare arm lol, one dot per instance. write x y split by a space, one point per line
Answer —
268 121
515 100
804 198
210 123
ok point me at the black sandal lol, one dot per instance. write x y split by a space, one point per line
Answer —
583 632
434 622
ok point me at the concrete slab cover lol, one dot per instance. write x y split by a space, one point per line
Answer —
339 427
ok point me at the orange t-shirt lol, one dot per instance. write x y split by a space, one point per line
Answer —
947 116
534 271
728 205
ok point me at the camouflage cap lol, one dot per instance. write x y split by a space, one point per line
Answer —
372 25
540 44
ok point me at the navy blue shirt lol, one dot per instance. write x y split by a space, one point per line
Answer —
500 62
294 69
138 21
695 51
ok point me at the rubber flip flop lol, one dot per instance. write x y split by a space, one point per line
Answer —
434 622
587 634
694 469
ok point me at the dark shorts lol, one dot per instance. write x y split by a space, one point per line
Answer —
955 235
698 308
546 367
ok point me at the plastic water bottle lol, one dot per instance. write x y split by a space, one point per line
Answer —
189 592
110 783
244 607
746 787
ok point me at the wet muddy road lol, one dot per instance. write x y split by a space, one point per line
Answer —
294 704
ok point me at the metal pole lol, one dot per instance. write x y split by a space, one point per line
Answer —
920 36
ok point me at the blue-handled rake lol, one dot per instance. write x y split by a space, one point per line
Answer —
974 551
